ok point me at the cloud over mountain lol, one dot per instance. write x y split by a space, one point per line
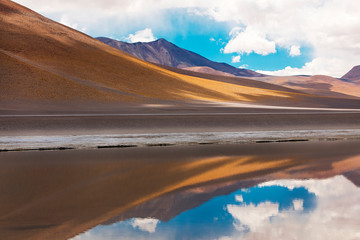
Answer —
330 27
144 35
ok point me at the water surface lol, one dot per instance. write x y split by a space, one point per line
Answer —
281 209
282 190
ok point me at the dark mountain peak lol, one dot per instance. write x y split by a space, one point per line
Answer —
162 40
166 53
353 75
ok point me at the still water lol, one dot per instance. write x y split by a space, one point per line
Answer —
280 209
301 190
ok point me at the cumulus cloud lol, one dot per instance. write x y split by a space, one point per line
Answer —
328 26
320 65
251 216
145 224
235 59
248 41
145 35
298 204
244 66
239 198
295 51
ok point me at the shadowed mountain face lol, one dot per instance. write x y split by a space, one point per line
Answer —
165 53
353 74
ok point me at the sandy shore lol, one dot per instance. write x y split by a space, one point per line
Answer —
65 142
170 125
170 119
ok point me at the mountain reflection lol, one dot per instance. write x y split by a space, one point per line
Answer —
281 209
196 192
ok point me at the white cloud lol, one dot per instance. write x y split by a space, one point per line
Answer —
298 204
251 216
239 198
295 51
145 35
212 39
145 224
328 26
235 59
248 41
321 65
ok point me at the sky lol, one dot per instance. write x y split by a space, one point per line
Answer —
279 37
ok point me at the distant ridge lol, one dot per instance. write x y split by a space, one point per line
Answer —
353 74
166 53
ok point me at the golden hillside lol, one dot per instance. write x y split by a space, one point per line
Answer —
44 60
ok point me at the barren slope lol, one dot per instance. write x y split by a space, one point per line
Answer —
317 85
44 61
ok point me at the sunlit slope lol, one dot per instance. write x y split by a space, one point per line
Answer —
44 60
317 85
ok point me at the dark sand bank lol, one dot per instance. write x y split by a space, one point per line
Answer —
59 194
172 120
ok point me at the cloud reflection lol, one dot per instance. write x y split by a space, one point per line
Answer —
145 224
336 216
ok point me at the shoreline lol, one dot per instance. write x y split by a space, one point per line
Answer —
101 141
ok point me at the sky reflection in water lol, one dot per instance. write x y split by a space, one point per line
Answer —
281 209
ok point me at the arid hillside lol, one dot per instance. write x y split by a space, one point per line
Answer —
44 61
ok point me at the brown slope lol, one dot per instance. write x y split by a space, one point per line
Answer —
323 90
317 85
353 74
35 83
230 79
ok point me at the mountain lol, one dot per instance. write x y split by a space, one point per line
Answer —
353 74
165 53
42 61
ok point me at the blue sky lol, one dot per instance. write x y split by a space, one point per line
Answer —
208 37
280 37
